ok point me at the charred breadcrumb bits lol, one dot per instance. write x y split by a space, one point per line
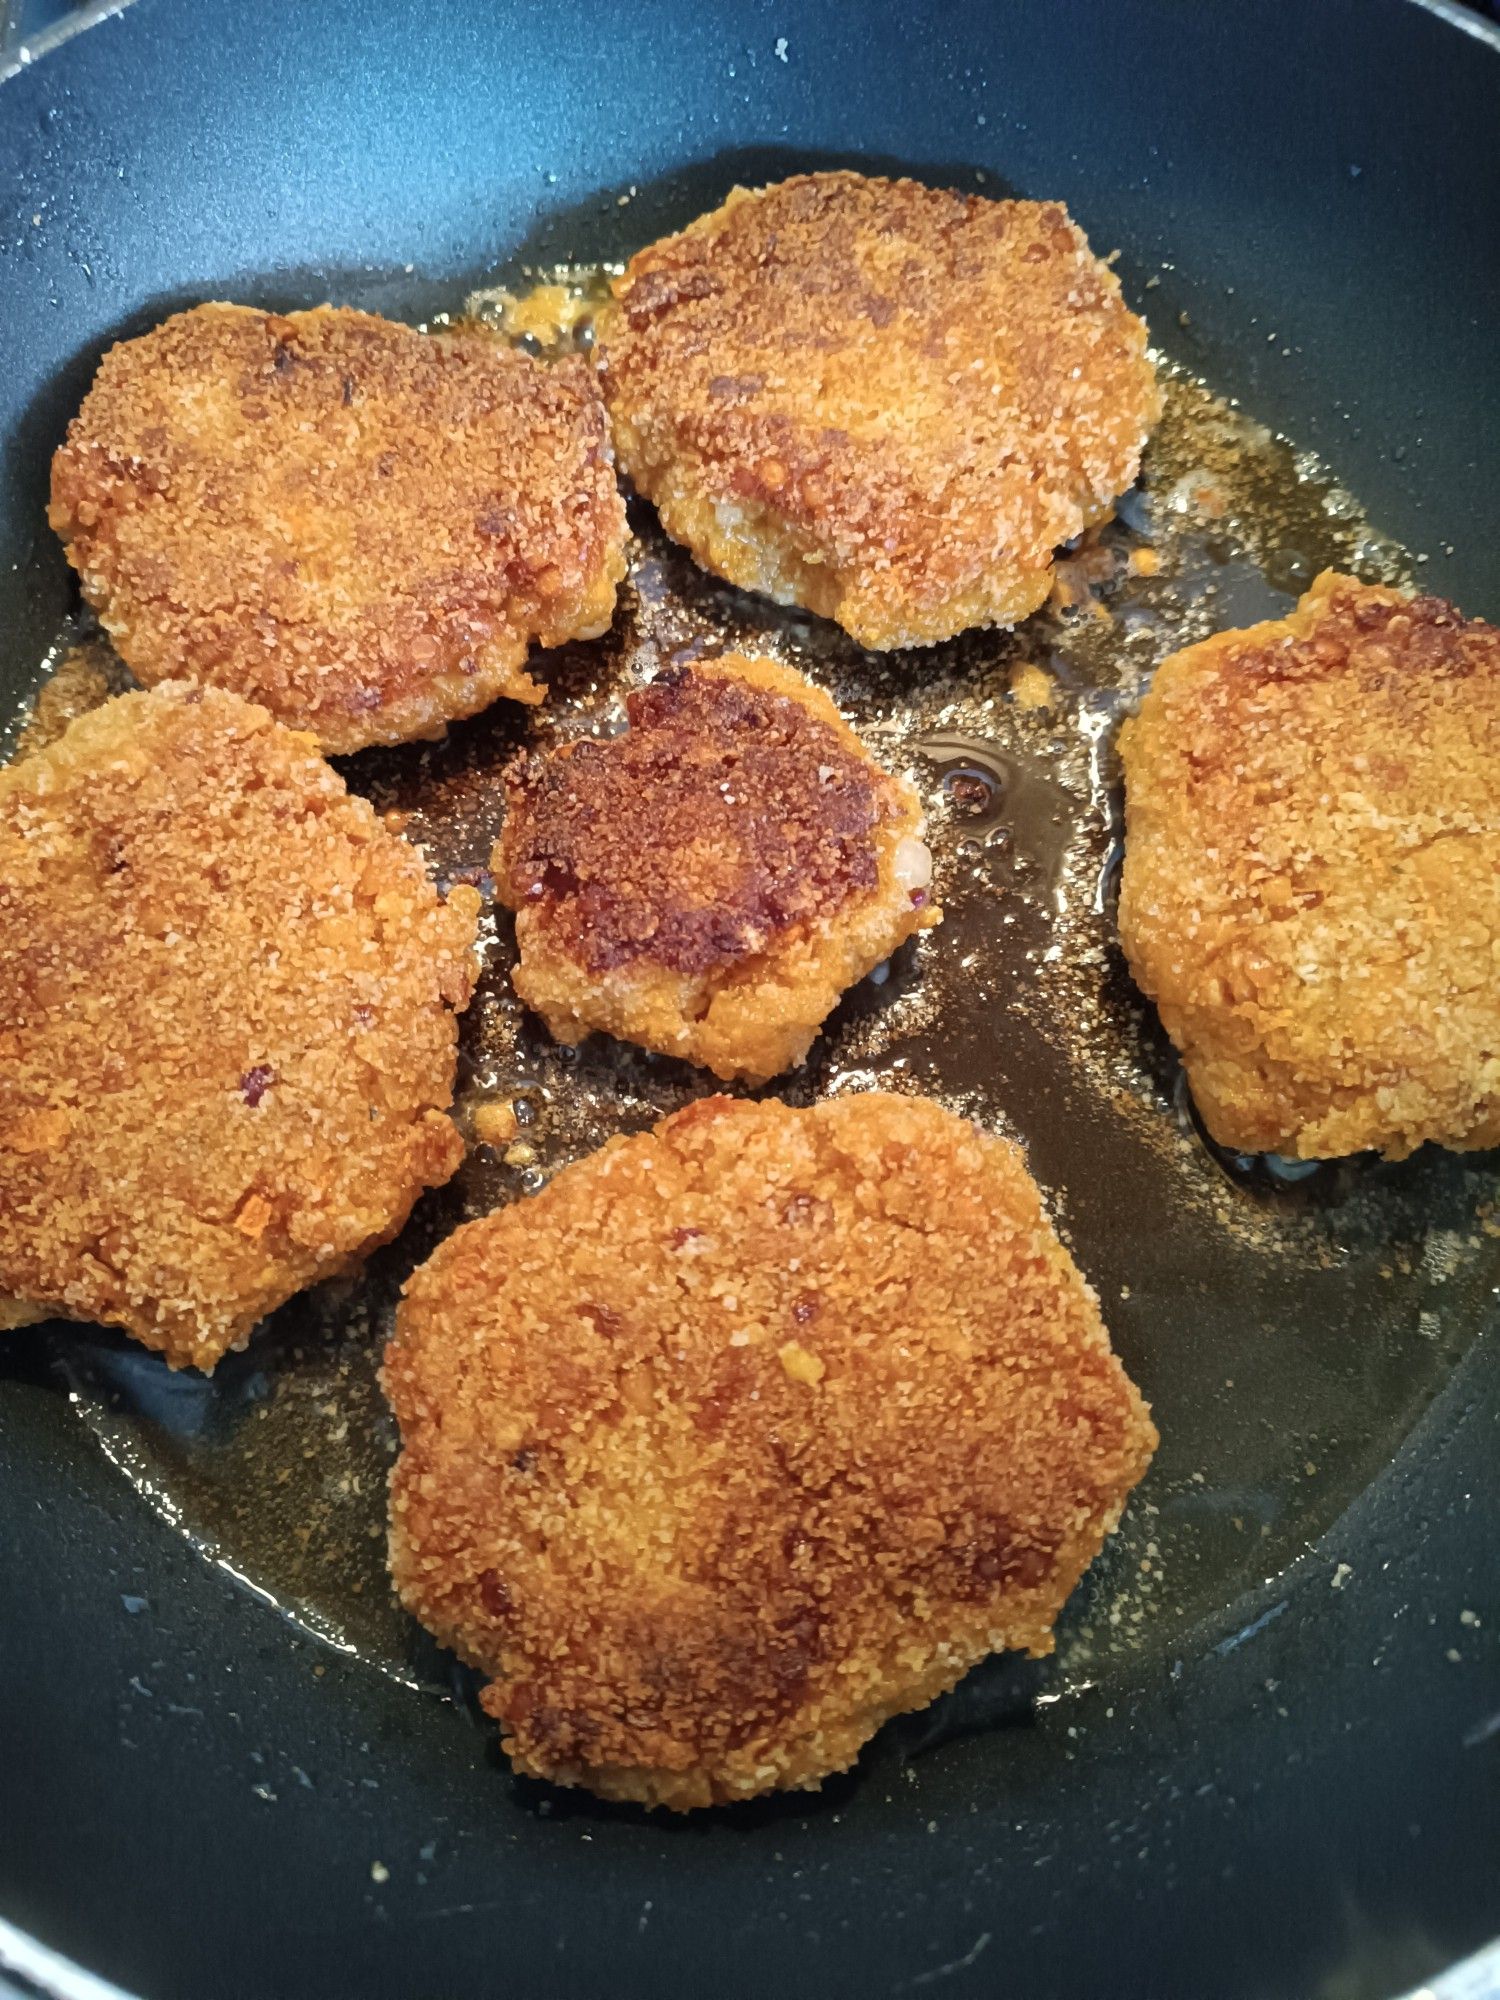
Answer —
362 527
227 1033
747 1434
709 882
1311 890
882 401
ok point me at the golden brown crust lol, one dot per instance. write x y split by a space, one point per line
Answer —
709 882
226 1022
747 1434
361 526
882 401
1311 892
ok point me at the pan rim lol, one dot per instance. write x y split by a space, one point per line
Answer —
31 50
1454 12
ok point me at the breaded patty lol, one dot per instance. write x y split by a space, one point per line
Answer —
747 1434
1311 891
361 526
226 1022
709 882
884 402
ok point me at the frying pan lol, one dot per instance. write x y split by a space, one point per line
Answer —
1286 1783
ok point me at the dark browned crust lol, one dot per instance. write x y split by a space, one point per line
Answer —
1311 890
358 525
710 882
727 814
748 1433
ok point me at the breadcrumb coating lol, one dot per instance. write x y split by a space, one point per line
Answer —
882 401
709 882
747 1434
358 525
227 1031
1311 890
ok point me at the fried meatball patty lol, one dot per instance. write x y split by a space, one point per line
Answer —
358 525
709 882
747 1434
1311 891
226 1022
882 401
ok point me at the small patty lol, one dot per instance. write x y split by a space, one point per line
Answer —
1311 892
747 1434
227 1034
709 882
882 401
360 526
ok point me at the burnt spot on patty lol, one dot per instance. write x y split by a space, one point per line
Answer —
708 882
724 815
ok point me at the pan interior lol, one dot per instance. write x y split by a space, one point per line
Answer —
1288 1327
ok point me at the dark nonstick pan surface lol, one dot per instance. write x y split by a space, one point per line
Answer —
1266 1760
